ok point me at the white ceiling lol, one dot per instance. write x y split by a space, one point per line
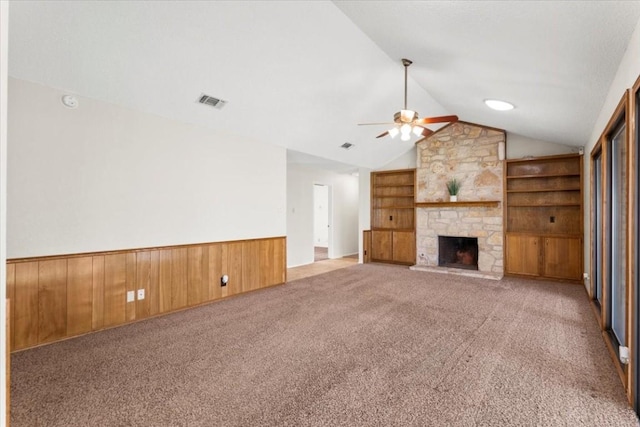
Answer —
302 74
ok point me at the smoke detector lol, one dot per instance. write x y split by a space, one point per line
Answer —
211 101
70 101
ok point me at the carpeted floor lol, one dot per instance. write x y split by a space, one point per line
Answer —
368 345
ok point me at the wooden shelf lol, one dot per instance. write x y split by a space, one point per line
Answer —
464 204
546 190
546 175
528 233
541 205
394 207
394 185
391 197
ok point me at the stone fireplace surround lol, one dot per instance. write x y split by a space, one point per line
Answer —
468 152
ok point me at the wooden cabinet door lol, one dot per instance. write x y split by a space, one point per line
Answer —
381 245
523 254
404 247
563 257
366 246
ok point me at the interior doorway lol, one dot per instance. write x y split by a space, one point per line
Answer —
321 224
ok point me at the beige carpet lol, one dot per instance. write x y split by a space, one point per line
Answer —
367 345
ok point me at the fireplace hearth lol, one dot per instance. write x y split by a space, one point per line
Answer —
458 252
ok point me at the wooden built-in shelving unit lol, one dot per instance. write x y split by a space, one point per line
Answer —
393 237
544 217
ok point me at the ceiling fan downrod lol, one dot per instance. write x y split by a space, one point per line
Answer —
406 62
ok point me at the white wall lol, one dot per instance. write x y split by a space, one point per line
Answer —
519 146
628 72
321 215
4 48
101 177
343 221
364 210
405 161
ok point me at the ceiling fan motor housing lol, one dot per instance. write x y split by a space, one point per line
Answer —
405 116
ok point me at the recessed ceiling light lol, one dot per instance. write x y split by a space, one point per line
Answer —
498 105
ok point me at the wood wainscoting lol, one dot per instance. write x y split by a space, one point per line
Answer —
58 297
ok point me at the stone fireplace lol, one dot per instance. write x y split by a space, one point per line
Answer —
469 153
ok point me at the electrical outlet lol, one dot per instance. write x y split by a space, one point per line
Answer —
140 294
585 276
131 296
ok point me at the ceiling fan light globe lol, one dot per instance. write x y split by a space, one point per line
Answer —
417 130
405 136
405 129
407 116
393 132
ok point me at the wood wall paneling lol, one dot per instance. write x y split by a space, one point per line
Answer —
79 295
153 293
130 307
52 300
7 365
197 292
267 262
164 280
97 314
234 268
11 296
115 287
63 296
272 262
143 281
250 265
204 284
280 265
217 268
179 275
25 313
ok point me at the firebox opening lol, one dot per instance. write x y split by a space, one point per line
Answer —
458 252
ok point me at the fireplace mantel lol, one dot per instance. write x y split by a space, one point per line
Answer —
467 204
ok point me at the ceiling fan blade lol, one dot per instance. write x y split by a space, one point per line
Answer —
369 124
440 119
427 132
383 134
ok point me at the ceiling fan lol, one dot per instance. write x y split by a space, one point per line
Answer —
406 121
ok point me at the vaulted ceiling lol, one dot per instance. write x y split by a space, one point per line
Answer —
303 74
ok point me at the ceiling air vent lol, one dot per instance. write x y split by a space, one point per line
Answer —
211 101
347 145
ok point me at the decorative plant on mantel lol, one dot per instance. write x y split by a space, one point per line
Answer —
453 186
